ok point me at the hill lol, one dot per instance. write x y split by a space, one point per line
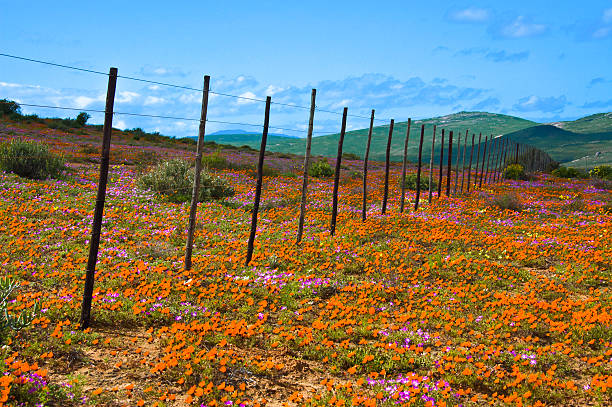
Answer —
596 123
565 141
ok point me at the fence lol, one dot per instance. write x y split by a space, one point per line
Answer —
497 153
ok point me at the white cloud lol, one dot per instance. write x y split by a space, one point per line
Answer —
125 97
602 32
120 124
81 102
520 28
248 94
470 15
607 16
272 89
153 100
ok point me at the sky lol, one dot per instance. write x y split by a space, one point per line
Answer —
538 60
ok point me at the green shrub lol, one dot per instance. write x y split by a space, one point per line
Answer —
215 161
565 172
350 156
515 171
602 172
411 182
507 201
321 169
82 118
9 107
174 178
30 159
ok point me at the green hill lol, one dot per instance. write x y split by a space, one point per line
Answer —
564 141
568 146
596 123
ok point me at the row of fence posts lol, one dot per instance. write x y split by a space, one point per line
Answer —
494 158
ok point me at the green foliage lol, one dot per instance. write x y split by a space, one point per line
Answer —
174 178
321 169
216 161
515 171
82 118
565 172
602 172
350 156
9 322
507 202
9 107
411 182
30 159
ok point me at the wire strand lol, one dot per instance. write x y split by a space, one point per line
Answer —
187 87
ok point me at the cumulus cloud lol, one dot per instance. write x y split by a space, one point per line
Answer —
469 15
607 16
593 29
519 27
162 71
541 104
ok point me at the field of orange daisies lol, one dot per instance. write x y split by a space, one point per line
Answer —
459 303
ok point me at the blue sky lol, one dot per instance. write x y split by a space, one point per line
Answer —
405 59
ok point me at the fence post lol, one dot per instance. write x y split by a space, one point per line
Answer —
470 166
96 228
387 164
332 226
418 180
260 164
196 180
477 160
403 186
463 162
492 141
431 162
484 155
450 163
441 164
306 166
365 168
457 164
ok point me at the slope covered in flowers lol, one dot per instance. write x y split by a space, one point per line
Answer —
459 303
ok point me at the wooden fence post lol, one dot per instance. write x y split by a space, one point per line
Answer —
470 166
332 226
484 155
260 164
96 228
387 164
195 193
365 168
486 177
418 180
431 163
457 164
463 162
477 160
441 164
450 163
306 166
404 162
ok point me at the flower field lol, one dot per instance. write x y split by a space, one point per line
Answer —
459 303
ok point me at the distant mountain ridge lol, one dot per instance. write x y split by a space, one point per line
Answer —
565 141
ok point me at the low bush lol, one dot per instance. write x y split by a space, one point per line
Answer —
321 169
350 156
507 202
565 172
411 182
515 171
601 172
30 159
9 107
174 179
